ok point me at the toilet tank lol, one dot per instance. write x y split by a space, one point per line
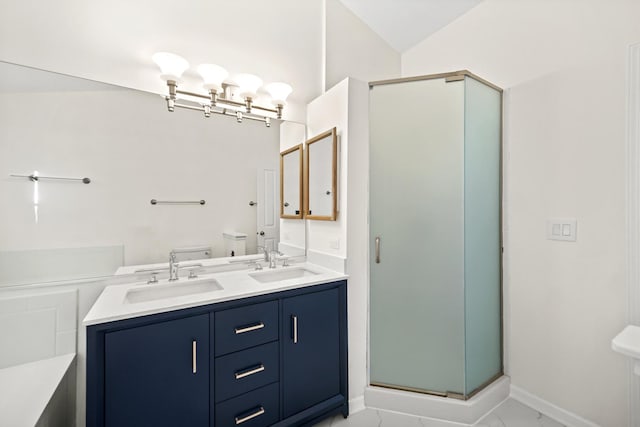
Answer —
235 243
193 252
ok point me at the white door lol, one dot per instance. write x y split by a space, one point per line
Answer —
268 220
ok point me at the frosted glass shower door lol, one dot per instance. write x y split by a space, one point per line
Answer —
417 213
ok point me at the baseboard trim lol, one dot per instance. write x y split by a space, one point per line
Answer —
549 409
356 404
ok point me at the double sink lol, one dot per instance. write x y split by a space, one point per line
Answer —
168 289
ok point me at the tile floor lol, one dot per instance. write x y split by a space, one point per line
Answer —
510 413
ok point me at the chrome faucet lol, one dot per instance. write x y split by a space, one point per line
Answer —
273 258
173 267
265 251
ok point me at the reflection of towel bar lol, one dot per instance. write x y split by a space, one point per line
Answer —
34 178
177 202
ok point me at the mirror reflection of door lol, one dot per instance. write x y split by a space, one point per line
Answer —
267 223
321 175
291 183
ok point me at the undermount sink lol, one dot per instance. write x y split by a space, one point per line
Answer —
281 274
169 290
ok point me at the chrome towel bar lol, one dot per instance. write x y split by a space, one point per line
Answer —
34 178
177 202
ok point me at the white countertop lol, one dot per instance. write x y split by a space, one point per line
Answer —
111 304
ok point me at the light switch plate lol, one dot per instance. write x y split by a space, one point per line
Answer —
562 229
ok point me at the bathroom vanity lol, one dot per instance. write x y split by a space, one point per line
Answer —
250 348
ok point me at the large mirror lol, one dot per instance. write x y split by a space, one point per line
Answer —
222 174
291 183
321 176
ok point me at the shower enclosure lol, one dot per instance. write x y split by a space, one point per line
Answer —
435 231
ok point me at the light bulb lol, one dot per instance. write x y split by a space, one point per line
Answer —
248 84
213 76
279 92
171 65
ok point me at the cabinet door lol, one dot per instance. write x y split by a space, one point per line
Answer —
158 375
311 350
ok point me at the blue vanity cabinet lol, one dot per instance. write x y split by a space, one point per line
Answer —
311 351
158 374
278 359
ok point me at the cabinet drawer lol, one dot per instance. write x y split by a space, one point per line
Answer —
244 327
257 408
246 370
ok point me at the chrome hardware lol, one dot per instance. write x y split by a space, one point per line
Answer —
177 202
250 417
240 375
192 274
264 250
273 258
295 329
261 233
194 361
285 262
249 328
328 192
378 250
286 204
34 178
173 267
154 279
252 203
256 263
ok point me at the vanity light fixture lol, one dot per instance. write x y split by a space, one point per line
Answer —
220 88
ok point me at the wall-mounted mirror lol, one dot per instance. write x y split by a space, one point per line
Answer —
133 151
291 183
321 177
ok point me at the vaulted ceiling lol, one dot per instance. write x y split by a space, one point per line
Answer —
404 23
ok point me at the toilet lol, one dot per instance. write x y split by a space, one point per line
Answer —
235 243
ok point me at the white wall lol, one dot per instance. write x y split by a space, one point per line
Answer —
563 67
345 106
134 151
352 49
323 113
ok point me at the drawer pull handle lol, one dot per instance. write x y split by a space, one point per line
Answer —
295 329
250 328
250 417
240 375
194 361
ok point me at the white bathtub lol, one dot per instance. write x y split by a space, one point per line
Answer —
40 393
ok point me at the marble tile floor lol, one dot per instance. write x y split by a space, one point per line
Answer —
509 413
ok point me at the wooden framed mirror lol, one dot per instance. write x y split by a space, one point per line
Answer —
321 177
291 183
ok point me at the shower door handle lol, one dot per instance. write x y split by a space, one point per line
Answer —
378 250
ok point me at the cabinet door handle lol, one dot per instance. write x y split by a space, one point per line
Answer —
250 416
250 371
255 327
295 329
378 250
194 360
